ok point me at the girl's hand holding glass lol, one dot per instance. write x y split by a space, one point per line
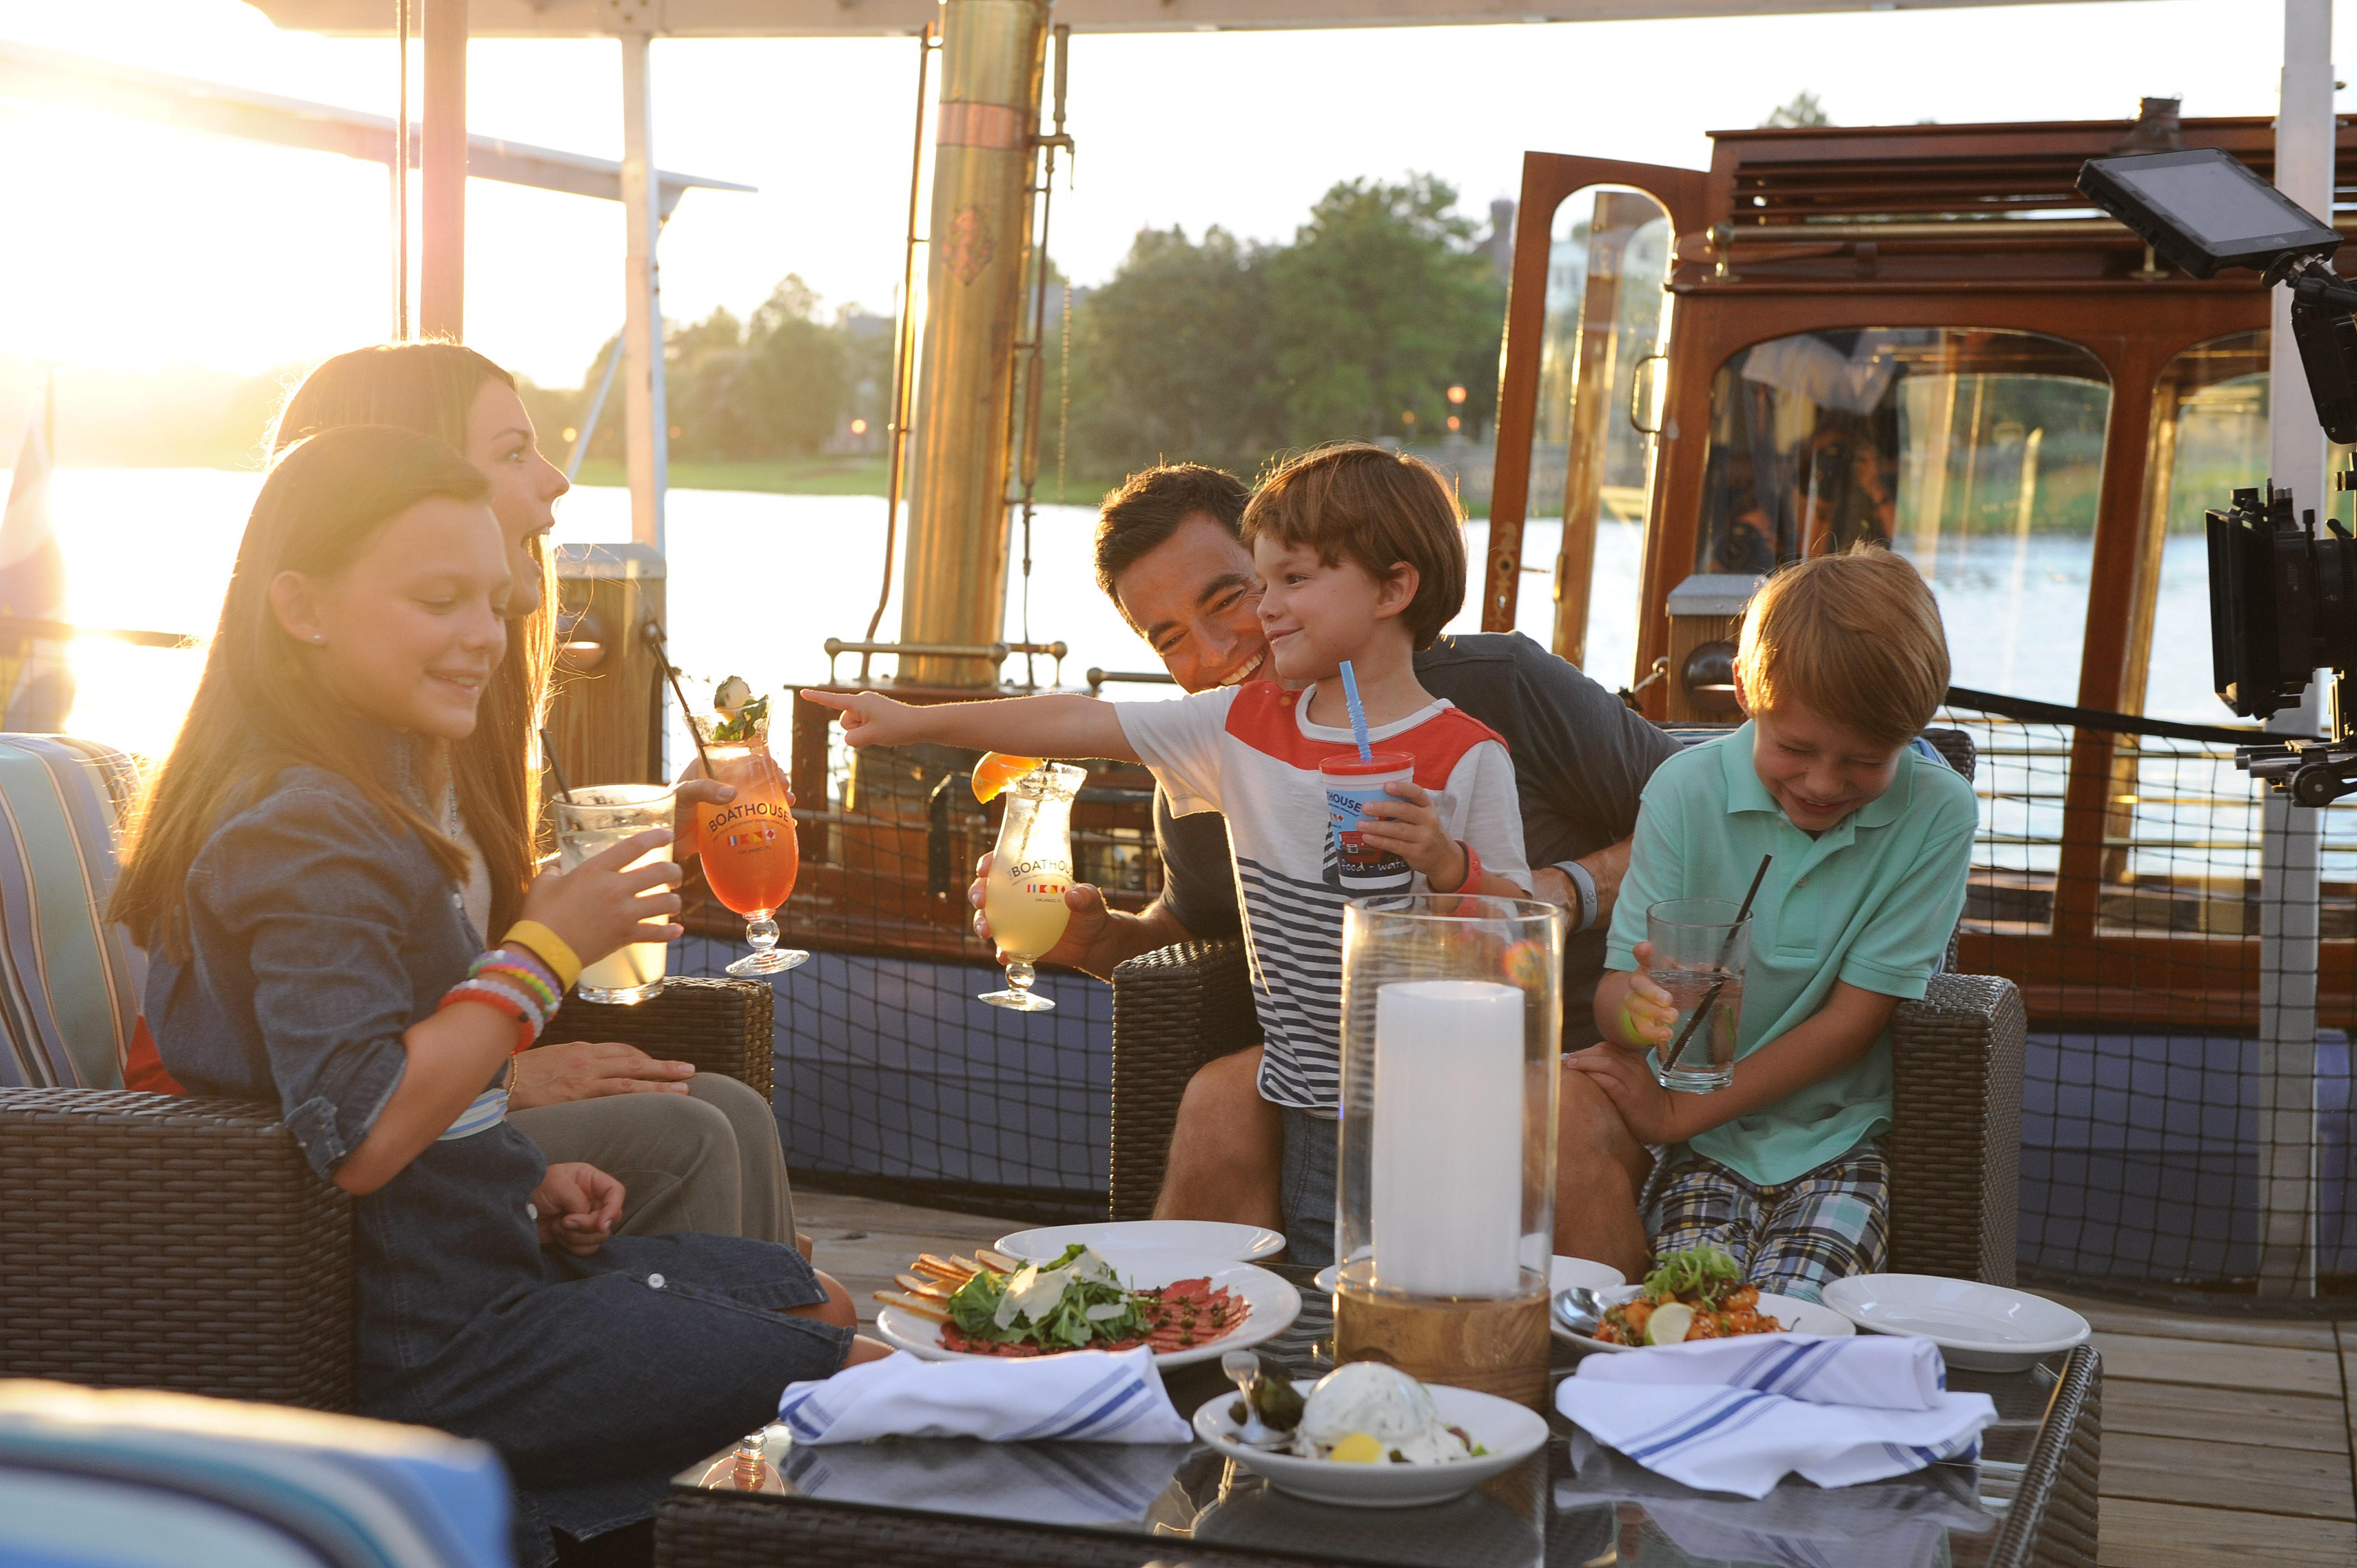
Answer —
604 904
577 1208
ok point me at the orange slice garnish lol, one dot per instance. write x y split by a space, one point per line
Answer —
996 771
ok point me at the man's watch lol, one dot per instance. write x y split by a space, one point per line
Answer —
1585 885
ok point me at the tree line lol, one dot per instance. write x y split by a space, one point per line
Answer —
1210 348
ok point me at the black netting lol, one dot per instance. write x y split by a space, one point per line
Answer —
892 1079
2117 879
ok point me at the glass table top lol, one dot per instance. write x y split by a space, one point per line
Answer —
1575 1503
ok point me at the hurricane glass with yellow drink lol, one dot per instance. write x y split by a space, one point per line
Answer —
1031 871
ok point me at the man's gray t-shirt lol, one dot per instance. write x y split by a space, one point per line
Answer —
1581 758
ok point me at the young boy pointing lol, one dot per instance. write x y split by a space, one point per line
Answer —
1843 659
1361 555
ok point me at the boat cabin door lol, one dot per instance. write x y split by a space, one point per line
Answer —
1580 397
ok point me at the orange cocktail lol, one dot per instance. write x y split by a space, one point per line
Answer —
750 855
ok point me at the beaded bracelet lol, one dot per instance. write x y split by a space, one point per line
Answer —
527 971
500 999
521 988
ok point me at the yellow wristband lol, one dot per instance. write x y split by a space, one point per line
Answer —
1628 1026
549 948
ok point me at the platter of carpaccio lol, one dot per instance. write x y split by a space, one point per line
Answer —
1184 1307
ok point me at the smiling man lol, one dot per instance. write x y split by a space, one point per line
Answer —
1169 554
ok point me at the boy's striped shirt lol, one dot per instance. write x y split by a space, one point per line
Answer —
1250 753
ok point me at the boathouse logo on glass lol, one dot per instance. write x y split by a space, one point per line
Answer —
1353 865
746 826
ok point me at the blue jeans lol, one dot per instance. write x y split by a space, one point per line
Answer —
1311 1146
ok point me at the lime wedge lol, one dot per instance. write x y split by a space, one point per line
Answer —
1669 1324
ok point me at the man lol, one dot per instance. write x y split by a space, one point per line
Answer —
1170 557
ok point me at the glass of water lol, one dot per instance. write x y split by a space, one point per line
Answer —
589 822
1700 946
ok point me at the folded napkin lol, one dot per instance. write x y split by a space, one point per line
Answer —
1886 1371
1094 1396
1101 1484
1724 1437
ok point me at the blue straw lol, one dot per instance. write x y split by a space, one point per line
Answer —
1358 713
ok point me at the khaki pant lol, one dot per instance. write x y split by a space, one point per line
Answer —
707 1160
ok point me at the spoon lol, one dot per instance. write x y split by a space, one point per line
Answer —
1243 1367
1580 1309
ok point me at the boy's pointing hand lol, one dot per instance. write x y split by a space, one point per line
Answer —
869 718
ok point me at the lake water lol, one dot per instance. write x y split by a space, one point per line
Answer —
757 582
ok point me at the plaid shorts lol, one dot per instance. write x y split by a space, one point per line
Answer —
1792 1239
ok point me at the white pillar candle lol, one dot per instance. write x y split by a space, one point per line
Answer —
1448 1213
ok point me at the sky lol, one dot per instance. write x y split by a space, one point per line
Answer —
136 247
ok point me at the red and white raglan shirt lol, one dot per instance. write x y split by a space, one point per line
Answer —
1250 753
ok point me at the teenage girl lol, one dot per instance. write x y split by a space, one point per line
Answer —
298 894
698 1151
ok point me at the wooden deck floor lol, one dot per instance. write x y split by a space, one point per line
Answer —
2221 1439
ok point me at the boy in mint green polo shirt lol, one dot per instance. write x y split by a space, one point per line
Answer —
1843 660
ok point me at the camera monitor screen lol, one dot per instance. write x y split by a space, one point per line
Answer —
2203 210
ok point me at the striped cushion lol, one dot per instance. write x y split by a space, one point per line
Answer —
69 981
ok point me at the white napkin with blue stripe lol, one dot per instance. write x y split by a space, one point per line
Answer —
1093 1396
1732 1416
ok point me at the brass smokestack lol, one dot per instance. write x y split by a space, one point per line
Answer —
993 55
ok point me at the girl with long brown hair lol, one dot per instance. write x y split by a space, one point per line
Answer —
295 882
698 1151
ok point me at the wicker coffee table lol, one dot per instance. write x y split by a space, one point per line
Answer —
963 1504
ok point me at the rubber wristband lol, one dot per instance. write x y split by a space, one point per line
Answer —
549 948
1628 1026
1472 869
1583 884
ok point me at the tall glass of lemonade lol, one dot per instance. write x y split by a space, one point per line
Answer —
1030 874
589 822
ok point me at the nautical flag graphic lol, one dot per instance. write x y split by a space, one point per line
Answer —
1055 888
36 679
752 836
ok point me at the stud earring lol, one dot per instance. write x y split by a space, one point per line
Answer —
319 636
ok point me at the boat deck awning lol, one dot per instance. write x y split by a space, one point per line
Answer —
185 104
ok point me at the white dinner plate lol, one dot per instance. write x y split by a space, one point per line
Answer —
1511 1433
1988 1327
1206 1238
1562 1274
1273 1305
1797 1317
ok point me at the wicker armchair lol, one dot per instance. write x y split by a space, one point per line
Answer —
156 1241
1955 1143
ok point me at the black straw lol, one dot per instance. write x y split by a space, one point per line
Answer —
548 750
1727 946
670 674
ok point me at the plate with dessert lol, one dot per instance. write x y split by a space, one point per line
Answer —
1368 1435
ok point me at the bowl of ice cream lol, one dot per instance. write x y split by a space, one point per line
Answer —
1371 1436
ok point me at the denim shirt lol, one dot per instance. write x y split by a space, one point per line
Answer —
320 930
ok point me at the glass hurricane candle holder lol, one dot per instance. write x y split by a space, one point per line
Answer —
1452 1035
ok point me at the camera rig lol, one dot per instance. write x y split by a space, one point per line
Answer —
2283 597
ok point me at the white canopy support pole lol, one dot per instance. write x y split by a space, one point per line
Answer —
645 430
2288 869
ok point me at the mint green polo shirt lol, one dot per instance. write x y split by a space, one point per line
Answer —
1871 900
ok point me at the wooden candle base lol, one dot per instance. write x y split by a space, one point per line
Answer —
1494 1347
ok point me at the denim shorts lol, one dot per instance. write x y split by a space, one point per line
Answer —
1312 1143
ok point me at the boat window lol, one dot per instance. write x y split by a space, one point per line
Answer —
1978 454
2209 438
1598 369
